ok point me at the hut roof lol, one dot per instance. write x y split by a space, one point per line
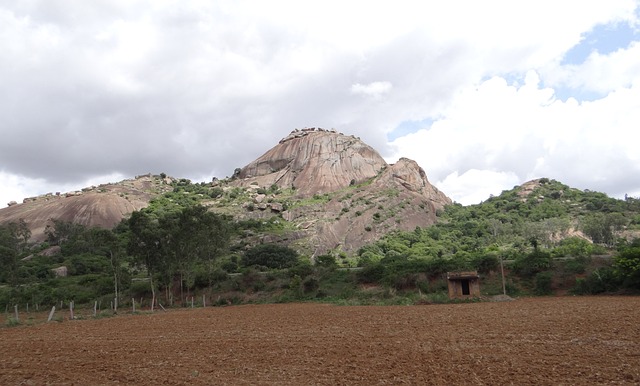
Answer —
462 275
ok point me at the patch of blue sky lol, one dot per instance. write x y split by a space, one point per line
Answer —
408 127
563 93
604 39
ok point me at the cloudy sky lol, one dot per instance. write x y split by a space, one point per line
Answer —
485 95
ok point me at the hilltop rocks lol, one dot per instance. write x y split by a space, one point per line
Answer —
412 177
314 161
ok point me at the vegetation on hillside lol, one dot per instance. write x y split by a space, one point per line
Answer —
549 237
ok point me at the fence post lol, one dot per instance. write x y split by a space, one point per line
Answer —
204 298
133 304
17 316
53 310
95 308
71 310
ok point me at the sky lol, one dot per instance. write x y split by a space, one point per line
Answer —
483 95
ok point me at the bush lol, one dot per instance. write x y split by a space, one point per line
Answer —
530 264
577 265
302 269
543 282
371 273
272 256
574 246
310 284
140 289
326 261
86 263
627 265
485 263
599 281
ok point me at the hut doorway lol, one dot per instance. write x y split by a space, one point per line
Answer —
465 286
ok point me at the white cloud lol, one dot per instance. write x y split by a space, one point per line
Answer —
199 88
599 73
475 186
374 89
524 132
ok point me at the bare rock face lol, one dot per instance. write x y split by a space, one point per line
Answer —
366 198
314 162
102 206
400 198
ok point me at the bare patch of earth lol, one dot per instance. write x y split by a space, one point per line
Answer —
541 341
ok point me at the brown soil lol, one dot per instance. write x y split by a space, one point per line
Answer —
543 341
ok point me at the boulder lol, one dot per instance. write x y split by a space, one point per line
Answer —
60 271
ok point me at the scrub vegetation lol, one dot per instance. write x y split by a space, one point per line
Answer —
194 242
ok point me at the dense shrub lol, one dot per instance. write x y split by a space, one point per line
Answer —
372 273
627 265
485 263
86 263
272 256
302 269
599 281
543 283
532 263
326 261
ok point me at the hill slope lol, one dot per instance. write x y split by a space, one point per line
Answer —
332 192
102 206
343 193
314 162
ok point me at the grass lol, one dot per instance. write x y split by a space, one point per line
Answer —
12 322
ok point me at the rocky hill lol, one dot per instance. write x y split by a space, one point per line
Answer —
328 191
343 194
96 206
314 161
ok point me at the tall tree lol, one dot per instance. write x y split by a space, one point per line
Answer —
106 243
145 246
193 235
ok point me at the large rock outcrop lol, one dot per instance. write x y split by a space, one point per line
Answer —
360 196
99 206
345 195
314 161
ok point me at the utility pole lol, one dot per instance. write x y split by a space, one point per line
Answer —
504 288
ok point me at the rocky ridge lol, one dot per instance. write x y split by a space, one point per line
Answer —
96 206
314 161
328 191
358 197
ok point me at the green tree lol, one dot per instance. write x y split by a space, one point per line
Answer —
272 256
14 239
603 228
627 265
21 234
145 246
113 248
173 244
194 235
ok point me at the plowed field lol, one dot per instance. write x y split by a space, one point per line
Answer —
552 341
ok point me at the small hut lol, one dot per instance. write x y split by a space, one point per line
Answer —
463 285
